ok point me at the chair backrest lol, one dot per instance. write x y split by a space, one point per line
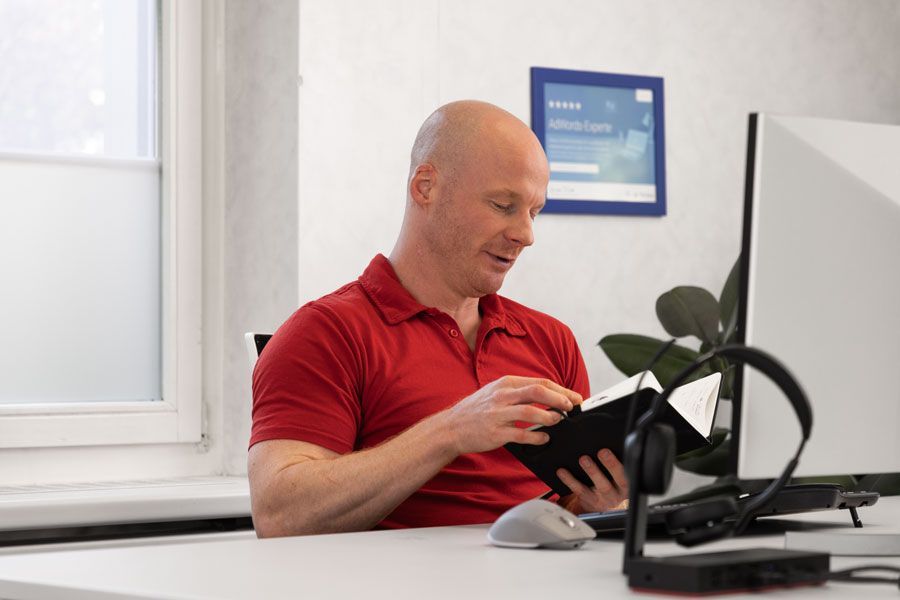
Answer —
255 343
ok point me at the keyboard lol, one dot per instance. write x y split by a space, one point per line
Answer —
792 499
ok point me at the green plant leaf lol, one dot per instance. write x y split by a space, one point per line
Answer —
889 485
632 353
728 302
886 484
689 310
709 460
717 438
848 482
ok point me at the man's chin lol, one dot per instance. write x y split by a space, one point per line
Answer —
488 284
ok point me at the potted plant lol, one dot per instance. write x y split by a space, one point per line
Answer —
687 311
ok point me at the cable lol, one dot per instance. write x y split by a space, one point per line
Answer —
632 408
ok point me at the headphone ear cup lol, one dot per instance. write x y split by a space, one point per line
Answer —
695 515
701 535
658 459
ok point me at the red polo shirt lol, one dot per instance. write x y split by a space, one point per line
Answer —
364 363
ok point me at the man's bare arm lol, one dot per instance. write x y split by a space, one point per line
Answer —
300 488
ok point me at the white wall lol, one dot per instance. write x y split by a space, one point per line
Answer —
373 71
259 254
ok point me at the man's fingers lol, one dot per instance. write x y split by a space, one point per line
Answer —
537 394
520 382
532 414
523 436
615 468
578 488
601 483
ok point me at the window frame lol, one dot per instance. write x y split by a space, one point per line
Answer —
177 417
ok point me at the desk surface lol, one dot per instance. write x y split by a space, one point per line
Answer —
441 562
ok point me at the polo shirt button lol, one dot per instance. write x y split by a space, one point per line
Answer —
454 333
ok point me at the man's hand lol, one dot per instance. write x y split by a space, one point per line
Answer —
300 488
487 419
604 494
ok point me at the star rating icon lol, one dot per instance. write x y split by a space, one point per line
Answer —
564 104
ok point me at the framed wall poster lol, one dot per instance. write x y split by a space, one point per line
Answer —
604 138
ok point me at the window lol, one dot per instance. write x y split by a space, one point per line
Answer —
79 78
100 235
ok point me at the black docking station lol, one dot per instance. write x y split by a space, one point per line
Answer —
752 569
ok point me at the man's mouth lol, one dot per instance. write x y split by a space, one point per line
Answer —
505 261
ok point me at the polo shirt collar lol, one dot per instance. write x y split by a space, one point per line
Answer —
495 316
396 304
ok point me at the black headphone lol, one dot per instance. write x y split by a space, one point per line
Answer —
650 456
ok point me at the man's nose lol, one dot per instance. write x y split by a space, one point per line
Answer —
522 232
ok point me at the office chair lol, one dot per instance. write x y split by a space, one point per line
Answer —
255 343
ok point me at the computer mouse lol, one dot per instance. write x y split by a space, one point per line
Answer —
539 524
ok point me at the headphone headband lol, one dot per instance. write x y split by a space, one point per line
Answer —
648 460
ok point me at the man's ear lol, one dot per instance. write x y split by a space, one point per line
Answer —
421 185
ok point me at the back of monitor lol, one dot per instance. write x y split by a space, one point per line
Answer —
822 293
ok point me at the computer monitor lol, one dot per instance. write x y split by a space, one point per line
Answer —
820 290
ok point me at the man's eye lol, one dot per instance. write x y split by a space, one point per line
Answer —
502 207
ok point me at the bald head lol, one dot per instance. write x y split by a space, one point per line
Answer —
455 136
477 180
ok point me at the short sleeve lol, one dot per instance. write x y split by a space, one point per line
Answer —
306 384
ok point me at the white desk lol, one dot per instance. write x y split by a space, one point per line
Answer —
444 562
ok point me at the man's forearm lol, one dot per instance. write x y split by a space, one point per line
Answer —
355 491
318 491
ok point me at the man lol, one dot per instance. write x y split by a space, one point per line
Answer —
387 402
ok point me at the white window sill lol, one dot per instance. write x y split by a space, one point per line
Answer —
106 503
190 538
